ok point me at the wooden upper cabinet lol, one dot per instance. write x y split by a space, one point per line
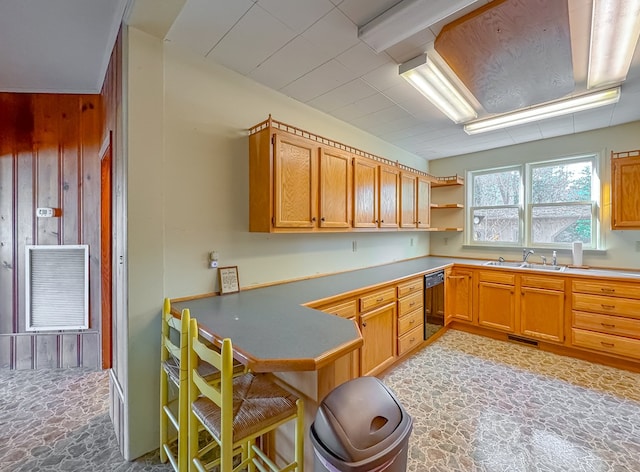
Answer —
365 193
295 182
423 205
300 182
389 192
408 200
625 196
335 188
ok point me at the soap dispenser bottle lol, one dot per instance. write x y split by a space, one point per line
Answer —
554 258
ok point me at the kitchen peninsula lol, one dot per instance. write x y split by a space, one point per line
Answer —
275 329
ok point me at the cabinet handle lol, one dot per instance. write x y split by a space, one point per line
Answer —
322 219
608 290
381 221
313 218
412 321
608 325
364 324
412 340
379 299
412 303
607 344
419 222
411 289
608 307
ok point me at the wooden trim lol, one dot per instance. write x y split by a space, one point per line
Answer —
294 130
106 252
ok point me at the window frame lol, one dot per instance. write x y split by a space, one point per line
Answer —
471 207
526 206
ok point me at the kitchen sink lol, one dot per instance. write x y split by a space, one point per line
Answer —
556 268
526 265
503 264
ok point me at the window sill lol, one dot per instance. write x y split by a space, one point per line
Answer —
542 249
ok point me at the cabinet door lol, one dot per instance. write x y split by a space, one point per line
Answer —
389 197
295 187
458 295
423 205
625 198
365 193
335 188
408 198
377 327
542 314
497 306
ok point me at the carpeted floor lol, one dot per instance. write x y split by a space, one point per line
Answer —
477 405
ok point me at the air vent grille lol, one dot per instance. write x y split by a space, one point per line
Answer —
57 287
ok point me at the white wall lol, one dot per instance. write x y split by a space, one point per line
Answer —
208 110
620 246
188 195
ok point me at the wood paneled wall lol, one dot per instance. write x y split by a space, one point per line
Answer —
49 146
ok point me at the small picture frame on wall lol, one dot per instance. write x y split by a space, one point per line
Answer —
229 282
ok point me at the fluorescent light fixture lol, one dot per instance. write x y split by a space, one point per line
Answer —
405 19
424 75
542 112
615 28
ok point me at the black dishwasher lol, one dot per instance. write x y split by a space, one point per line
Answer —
433 303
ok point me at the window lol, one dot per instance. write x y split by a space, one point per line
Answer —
550 203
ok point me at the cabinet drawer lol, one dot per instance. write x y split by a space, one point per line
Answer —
410 303
412 286
609 305
410 340
606 343
346 309
379 298
410 321
497 277
549 283
617 289
607 324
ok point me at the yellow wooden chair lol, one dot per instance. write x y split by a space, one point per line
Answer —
174 410
235 412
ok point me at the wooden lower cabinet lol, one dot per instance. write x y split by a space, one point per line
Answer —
542 308
606 317
410 315
497 301
347 367
458 300
378 332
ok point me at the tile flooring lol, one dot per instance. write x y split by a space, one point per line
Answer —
477 405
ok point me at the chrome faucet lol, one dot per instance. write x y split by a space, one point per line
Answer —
544 260
526 254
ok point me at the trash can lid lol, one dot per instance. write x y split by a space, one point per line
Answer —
358 419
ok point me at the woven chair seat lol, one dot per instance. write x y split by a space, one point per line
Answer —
172 367
257 402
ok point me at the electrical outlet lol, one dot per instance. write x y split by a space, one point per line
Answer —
213 264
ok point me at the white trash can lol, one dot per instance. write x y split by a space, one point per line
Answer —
361 426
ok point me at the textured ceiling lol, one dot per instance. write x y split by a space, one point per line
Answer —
306 49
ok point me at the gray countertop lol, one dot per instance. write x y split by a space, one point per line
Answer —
271 329
274 332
